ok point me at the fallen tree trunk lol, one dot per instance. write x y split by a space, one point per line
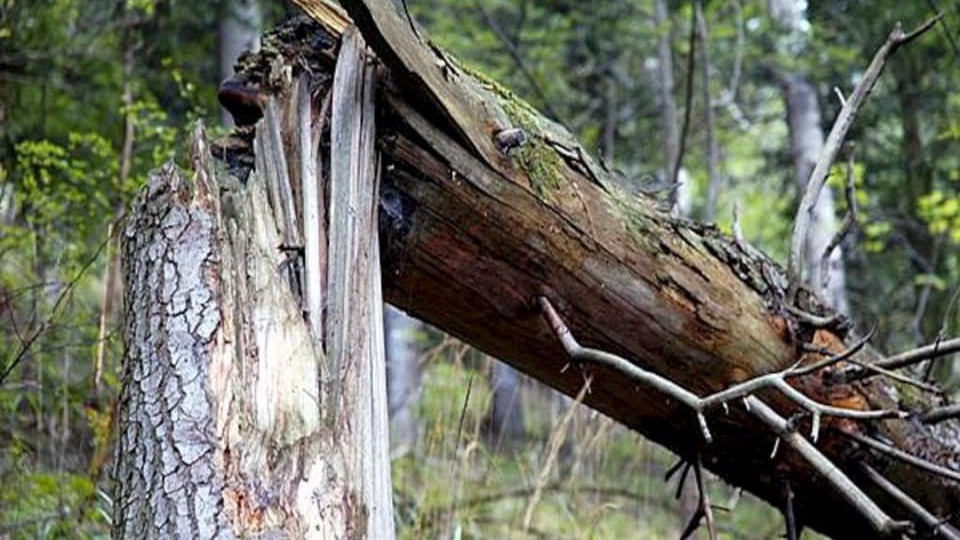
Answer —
486 206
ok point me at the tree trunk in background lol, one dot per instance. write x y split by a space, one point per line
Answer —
504 422
404 378
668 106
806 144
238 31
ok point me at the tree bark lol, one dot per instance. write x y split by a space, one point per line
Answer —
226 428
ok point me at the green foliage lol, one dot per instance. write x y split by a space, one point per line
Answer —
73 74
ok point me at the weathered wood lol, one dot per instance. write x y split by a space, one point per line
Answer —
355 303
468 243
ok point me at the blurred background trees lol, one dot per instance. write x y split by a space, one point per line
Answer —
95 93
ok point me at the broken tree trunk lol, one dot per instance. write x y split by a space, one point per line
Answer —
226 427
476 223
473 231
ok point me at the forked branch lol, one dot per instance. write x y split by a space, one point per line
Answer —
818 178
880 521
700 405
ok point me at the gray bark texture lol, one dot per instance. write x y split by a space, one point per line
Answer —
404 378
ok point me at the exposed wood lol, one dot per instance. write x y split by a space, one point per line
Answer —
217 438
354 308
314 222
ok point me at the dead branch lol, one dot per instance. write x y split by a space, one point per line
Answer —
700 405
937 525
938 349
909 459
873 514
879 520
789 517
818 177
940 414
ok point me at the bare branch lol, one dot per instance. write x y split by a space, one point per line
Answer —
26 344
704 510
879 520
937 525
909 459
939 414
815 321
704 499
514 53
818 177
793 532
700 405
934 350
849 221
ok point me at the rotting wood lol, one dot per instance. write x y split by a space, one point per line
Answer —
468 245
354 326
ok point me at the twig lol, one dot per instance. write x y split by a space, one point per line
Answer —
688 98
700 405
26 344
735 226
904 359
909 459
945 27
818 177
553 449
705 507
514 53
815 321
840 97
789 517
938 526
847 489
939 414
893 375
879 520
849 221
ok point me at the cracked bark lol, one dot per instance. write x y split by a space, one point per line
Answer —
220 434
225 428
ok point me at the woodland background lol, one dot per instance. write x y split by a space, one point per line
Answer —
95 93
